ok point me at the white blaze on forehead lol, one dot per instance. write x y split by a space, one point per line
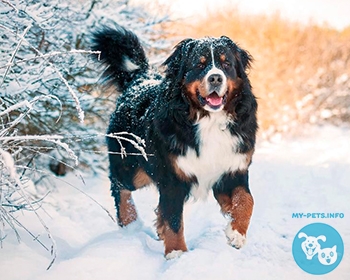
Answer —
215 70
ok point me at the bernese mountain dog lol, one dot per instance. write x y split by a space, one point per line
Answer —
198 121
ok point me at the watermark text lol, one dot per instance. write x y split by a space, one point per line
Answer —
316 215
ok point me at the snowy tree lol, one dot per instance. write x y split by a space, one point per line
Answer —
51 113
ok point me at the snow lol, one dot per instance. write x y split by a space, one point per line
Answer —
9 163
301 174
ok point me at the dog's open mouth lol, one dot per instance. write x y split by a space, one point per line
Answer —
310 251
213 100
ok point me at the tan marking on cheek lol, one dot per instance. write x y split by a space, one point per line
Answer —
191 94
195 86
202 89
232 85
192 88
127 212
233 88
141 179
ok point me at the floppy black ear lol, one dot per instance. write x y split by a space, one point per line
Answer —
244 59
246 108
175 63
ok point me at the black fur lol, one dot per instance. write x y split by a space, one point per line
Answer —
160 110
116 45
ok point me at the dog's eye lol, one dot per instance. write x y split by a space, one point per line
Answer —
201 65
226 64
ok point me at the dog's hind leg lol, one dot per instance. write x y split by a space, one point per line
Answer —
124 204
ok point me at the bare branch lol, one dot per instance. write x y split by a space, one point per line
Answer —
21 37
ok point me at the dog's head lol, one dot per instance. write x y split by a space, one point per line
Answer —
310 245
211 72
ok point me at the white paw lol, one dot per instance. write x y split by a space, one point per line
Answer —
234 238
173 254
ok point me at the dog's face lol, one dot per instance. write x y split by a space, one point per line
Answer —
211 71
311 243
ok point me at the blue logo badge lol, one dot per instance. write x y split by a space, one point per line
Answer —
318 248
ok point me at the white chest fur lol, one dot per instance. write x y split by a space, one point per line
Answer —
217 154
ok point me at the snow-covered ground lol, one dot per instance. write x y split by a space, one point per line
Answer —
303 174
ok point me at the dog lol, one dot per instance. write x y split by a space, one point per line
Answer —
310 245
198 121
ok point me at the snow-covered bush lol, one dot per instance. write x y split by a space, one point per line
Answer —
44 61
52 116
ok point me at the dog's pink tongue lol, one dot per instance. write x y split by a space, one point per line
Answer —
214 99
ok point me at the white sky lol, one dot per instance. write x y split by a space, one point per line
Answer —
333 12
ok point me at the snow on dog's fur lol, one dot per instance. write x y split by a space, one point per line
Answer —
198 122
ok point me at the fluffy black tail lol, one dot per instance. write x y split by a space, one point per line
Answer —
121 52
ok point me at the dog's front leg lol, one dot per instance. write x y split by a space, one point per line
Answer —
170 226
236 202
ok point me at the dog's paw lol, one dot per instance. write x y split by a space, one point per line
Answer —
234 238
174 254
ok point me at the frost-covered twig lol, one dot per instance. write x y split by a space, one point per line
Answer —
71 185
32 137
48 55
10 4
21 38
138 143
16 221
50 138
43 60
24 103
70 90
8 164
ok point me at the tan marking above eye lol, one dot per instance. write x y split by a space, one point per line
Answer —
223 57
202 60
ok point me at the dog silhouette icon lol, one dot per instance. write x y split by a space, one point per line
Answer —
310 245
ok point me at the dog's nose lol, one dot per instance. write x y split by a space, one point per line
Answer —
215 79
310 245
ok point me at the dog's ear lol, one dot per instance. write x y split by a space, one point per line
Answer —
321 237
302 235
244 59
175 63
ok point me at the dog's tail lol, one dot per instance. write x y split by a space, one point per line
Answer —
121 52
